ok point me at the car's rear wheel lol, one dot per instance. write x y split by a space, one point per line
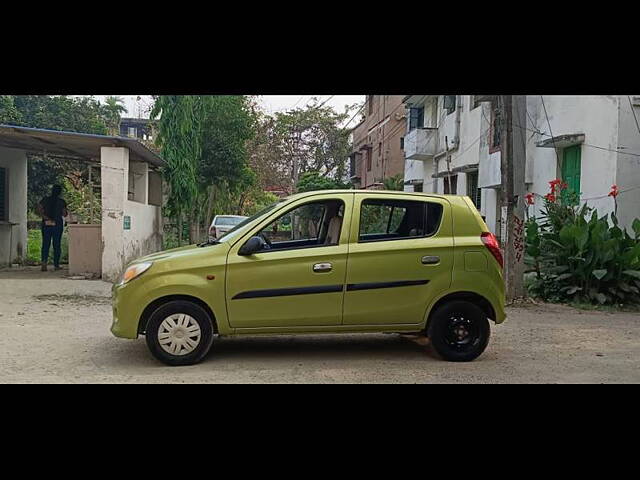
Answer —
459 331
179 333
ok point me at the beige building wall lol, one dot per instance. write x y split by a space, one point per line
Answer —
377 142
131 227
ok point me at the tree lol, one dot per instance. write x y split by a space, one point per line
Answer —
113 108
229 122
179 124
315 181
203 140
9 114
308 139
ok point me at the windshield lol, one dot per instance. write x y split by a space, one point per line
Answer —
240 228
228 220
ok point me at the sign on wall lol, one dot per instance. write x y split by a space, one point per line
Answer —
127 222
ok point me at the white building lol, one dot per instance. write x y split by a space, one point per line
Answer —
591 142
130 189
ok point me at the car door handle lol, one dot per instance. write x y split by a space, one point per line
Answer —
322 267
430 260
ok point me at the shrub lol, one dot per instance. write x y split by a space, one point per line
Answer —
579 256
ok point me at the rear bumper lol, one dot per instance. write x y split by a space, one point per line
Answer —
501 314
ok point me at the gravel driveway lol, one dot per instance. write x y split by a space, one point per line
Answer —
53 329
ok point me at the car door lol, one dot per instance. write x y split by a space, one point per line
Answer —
400 257
299 281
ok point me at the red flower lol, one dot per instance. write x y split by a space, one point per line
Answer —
614 191
557 185
550 197
529 197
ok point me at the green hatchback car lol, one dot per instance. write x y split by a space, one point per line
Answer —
327 261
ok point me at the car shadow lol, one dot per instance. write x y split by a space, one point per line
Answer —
326 347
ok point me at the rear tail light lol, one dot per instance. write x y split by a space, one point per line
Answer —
212 231
491 242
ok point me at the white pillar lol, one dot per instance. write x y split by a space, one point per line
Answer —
115 181
13 234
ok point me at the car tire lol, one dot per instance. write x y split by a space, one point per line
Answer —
179 333
459 331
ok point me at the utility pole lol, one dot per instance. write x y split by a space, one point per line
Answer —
512 163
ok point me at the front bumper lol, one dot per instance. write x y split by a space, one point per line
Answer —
126 314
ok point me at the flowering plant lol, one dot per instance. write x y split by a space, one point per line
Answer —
614 193
530 198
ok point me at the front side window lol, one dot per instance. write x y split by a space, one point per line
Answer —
240 228
387 219
309 225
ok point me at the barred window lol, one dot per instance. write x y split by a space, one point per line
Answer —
472 189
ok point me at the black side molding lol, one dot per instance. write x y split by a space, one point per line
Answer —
373 285
282 292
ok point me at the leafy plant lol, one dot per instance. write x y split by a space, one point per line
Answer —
579 256
395 182
83 203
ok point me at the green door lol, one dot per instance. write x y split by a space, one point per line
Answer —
571 167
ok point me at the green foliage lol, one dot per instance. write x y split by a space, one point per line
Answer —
113 109
34 247
581 257
313 180
60 112
395 182
258 201
203 140
82 202
179 138
9 114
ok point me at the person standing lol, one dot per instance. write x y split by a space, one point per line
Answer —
53 209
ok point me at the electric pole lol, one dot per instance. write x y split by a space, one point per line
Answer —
512 163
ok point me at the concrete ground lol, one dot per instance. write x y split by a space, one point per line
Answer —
53 329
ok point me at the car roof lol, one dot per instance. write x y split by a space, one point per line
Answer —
369 192
232 216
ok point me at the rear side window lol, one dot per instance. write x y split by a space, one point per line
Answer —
385 219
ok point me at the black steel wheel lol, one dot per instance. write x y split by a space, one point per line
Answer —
459 331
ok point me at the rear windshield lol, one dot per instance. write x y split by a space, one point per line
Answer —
228 220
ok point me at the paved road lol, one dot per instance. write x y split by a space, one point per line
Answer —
55 330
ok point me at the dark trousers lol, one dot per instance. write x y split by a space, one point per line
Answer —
50 234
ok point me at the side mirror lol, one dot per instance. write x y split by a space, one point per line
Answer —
253 245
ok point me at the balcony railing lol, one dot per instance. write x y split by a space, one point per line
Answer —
420 143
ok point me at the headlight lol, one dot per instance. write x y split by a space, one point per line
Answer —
134 271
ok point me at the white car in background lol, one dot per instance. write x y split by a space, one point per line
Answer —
222 224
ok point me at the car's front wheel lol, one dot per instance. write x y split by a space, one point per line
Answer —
179 333
459 331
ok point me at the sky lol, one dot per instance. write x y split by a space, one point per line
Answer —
139 105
